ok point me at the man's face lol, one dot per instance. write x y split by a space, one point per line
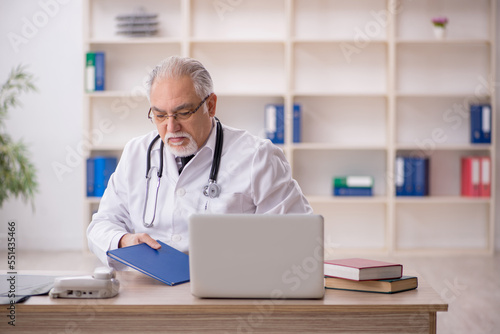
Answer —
171 96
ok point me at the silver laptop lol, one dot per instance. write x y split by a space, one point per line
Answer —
256 256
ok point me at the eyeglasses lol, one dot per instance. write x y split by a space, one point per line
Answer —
181 115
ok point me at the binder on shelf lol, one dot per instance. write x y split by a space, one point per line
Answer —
99 170
399 177
297 133
480 123
470 176
353 186
485 182
95 71
99 71
421 177
476 176
90 72
275 123
412 176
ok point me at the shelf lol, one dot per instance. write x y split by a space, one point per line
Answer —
118 94
372 83
439 42
433 95
335 41
135 40
442 200
441 147
93 200
340 94
336 147
248 40
347 199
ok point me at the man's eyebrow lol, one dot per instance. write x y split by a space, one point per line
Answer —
176 109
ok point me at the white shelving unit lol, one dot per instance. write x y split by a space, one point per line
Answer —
372 81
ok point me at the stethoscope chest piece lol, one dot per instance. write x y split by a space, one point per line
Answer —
212 189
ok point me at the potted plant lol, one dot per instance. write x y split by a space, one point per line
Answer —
17 173
440 23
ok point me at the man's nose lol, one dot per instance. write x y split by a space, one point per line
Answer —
172 125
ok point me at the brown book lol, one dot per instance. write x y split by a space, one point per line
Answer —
381 286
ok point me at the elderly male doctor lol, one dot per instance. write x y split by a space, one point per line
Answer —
253 175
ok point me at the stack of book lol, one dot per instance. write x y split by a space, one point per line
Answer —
138 24
356 274
476 176
412 176
353 186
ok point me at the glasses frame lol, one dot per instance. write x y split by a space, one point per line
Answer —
175 115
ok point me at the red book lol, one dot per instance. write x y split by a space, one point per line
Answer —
485 183
470 176
362 269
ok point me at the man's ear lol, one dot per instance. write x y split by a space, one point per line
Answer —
212 104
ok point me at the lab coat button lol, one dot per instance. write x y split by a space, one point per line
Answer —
181 192
176 238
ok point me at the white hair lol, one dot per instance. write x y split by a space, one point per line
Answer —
177 67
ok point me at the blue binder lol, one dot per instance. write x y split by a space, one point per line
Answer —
166 264
480 123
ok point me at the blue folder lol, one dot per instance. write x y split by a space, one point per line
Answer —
166 264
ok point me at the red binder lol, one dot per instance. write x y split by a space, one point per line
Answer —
485 183
470 176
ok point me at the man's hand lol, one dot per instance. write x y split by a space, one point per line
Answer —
131 239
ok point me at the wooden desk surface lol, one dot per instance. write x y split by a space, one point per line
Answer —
145 305
142 293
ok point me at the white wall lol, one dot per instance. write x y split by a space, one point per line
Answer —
50 120
50 42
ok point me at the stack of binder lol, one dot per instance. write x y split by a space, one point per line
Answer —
476 176
99 170
412 176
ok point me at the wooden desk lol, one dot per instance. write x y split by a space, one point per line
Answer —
145 305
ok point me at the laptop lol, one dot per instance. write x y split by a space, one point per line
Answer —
256 256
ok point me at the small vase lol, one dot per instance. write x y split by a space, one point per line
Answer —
439 32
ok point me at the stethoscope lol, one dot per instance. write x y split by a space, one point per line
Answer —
211 190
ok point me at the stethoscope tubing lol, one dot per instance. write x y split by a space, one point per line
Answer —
212 189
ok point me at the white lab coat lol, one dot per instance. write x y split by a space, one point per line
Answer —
254 177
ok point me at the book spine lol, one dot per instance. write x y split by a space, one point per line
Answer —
470 176
90 72
90 177
480 123
275 123
400 176
104 167
409 177
421 176
100 71
485 183
352 191
297 134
